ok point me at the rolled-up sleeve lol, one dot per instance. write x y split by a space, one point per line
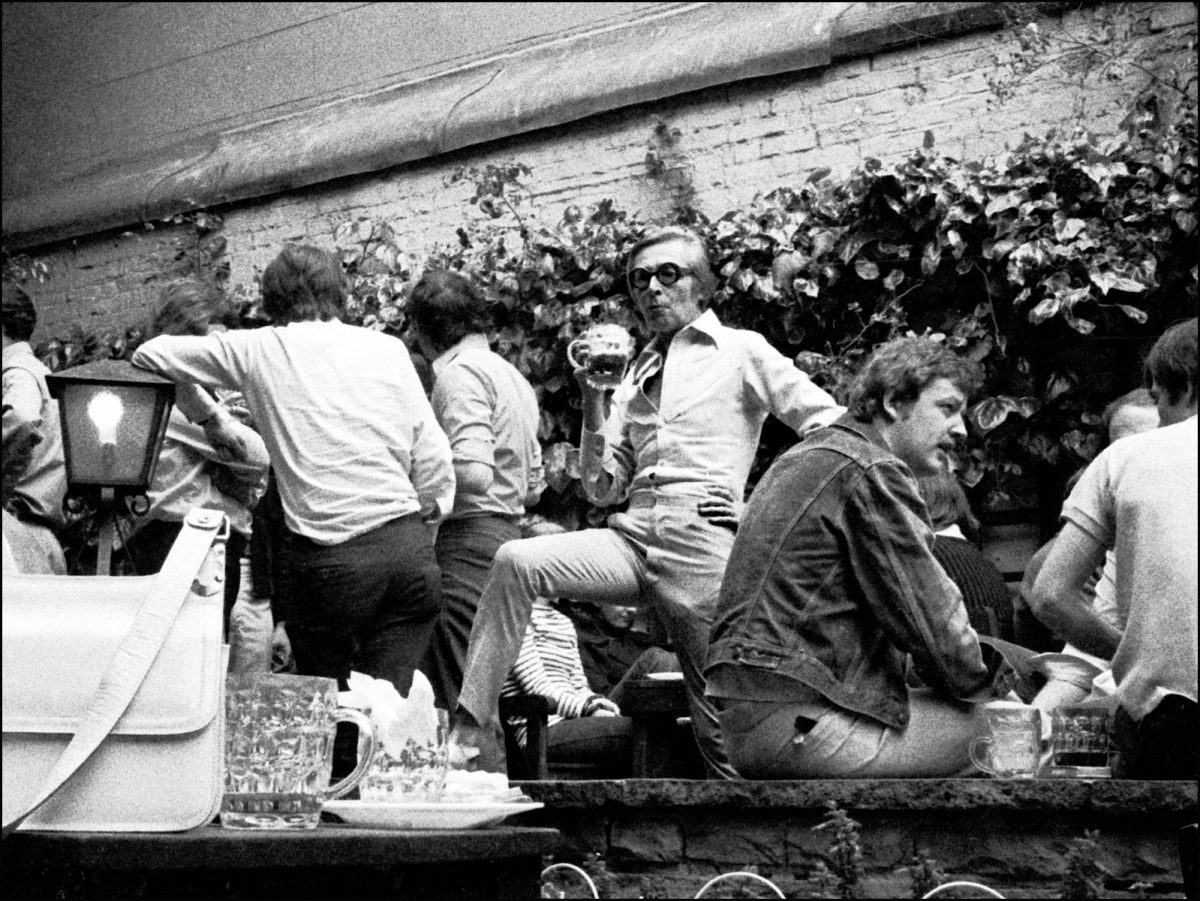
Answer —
462 406
917 604
432 472
214 361
1089 505
785 390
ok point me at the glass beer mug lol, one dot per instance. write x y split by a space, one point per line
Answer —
603 352
279 733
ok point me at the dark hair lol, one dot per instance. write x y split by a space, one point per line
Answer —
701 267
423 367
303 283
446 306
947 503
20 318
1138 397
902 368
189 308
1171 365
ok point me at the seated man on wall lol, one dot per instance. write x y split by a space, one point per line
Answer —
678 443
832 585
1130 414
1138 498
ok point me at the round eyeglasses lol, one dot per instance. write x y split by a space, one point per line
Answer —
667 274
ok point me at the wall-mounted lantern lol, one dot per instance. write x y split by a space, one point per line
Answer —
113 418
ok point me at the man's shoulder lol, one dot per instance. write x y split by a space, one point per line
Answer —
20 357
1152 450
846 437
486 359
731 335
836 450
483 364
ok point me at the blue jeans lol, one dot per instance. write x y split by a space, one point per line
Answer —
770 740
367 604
465 550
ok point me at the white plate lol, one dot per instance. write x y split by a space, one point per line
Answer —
446 815
1077 772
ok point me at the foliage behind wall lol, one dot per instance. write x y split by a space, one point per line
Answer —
1036 263
1025 262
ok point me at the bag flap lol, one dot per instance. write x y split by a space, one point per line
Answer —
60 636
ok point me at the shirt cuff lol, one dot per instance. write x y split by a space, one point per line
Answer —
195 404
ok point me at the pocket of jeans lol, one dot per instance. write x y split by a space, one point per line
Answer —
742 717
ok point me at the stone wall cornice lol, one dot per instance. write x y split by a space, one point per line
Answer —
678 50
1108 795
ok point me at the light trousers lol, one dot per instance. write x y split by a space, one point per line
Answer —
662 554
763 742
251 628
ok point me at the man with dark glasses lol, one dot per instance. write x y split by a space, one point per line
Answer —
676 441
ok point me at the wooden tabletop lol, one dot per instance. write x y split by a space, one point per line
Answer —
329 844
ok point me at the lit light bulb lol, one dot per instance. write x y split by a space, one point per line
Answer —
105 410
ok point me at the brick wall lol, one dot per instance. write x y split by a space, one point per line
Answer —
735 140
662 838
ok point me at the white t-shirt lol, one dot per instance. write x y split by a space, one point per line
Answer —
1139 498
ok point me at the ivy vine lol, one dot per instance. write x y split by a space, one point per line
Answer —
1062 241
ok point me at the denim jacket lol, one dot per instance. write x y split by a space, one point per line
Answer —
832 583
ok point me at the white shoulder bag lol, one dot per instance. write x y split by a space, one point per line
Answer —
113 693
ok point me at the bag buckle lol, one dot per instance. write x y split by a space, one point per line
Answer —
201 518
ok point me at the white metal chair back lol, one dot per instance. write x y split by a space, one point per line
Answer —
565 880
977 890
740 884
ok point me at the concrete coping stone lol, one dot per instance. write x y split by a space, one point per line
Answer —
1100 795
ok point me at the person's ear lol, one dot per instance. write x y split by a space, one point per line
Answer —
893 407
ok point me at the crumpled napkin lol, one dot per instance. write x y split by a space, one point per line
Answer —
397 719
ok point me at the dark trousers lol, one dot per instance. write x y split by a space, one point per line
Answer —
465 550
367 604
1163 744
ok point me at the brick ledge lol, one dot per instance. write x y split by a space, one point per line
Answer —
1109 796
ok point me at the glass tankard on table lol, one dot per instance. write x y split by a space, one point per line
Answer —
1079 742
279 733
1012 747
410 769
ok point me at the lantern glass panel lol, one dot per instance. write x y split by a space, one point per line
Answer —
111 434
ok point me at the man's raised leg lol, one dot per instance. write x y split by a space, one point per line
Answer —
593 565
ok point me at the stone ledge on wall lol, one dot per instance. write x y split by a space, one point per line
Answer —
1110 795
665 838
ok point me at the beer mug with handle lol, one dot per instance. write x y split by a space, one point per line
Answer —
279 733
603 352
1012 747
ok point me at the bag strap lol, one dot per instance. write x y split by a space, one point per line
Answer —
135 654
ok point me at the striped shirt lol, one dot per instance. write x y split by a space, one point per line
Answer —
549 665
